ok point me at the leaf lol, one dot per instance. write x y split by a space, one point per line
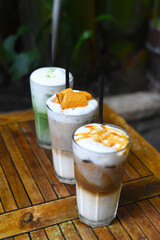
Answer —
8 47
84 36
22 30
23 63
108 17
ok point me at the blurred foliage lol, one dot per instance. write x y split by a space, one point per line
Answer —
100 36
21 63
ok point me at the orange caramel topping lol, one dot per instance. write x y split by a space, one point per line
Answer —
109 137
67 98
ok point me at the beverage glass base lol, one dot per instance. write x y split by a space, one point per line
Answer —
91 223
44 145
65 180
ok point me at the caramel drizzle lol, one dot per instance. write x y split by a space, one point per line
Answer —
109 137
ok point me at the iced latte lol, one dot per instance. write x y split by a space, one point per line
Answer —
100 153
67 111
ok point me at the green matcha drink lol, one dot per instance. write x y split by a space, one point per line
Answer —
45 82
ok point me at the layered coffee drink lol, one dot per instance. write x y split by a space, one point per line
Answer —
45 82
67 111
100 153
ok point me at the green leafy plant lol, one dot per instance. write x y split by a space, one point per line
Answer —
20 63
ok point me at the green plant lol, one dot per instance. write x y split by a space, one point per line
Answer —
20 63
156 19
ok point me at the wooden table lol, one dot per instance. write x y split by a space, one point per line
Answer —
35 205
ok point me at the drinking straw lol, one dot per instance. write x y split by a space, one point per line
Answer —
50 50
100 109
67 70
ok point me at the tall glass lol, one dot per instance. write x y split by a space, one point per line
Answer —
98 182
61 128
44 82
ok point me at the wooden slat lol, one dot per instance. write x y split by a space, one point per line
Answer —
21 166
84 231
71 188
118 231
13 178
150 212
144 223
16 117
103 233
125 178
39 235
69 231
1 207
140 147
22 237
33 164
156 202
138 165
6 194
44 161
131 172
38 216
129 224
54 233
139 189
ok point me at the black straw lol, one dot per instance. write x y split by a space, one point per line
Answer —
100 112
50 50
67 70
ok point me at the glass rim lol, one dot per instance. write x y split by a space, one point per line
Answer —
71 78
69 115
104 153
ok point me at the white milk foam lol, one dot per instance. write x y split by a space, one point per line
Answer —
95 148
56 107
50 76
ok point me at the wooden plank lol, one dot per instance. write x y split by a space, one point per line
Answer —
13 117
84 231
131 172
33 164
103 233
22 237
140 147
125 178
38 216
1 208
138 165
129 224
71 188
39 235
44 161
118 231
54 233
6 194
69 231
156 202
21 166
140 189
150 212
144 223
13 178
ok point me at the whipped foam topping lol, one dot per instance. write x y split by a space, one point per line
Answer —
101 138
50 76
56 107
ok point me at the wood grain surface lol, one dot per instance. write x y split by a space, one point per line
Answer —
35 205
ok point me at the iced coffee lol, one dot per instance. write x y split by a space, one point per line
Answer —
100 153
45 82
67 111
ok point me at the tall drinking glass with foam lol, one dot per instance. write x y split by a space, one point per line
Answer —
100 152
67 111
44 82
